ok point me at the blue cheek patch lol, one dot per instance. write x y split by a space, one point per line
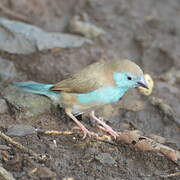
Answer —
122 81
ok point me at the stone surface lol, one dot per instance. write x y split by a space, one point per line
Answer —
26 105
23 38
20 130
3 106
7 70
105 158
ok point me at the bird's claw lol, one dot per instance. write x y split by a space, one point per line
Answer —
104 126
86 132
109 130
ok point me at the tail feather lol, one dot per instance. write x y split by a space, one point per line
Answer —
37 88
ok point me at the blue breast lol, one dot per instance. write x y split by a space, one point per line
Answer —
104 95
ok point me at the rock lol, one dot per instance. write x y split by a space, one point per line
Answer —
45 173
22 38
20 130
86 29
3 106
165 108
26 105
163 60
172 76
105 158
7 70
4 147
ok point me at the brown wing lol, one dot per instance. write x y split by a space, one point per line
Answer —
96 76
92 77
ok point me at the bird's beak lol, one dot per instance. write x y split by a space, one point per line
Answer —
142 82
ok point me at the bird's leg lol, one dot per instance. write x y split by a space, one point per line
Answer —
85 131
105 126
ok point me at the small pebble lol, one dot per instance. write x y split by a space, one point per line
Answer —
20 130
105 158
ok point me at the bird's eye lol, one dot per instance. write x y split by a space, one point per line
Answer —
129 78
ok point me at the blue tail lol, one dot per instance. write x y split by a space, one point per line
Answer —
38 88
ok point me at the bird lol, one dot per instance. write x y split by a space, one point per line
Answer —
98 84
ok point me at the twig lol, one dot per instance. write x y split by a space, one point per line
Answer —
21 147
4 174
54 132
170 175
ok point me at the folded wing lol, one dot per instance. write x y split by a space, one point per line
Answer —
92 77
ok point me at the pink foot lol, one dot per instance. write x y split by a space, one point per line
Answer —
85 131
104 126
109 130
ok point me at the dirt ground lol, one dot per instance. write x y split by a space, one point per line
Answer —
147 32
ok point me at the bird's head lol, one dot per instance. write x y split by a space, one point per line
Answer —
129 75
